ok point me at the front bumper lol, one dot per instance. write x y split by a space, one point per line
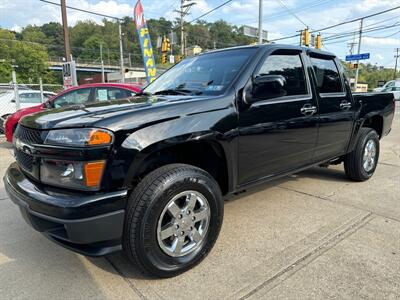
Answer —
90 224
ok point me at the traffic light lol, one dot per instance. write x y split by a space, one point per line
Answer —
164 58
318 41
352 65
178 58
163 45
167 45
305 37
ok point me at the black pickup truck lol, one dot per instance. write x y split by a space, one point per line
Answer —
148 174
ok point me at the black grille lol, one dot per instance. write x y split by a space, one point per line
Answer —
24 160
30 136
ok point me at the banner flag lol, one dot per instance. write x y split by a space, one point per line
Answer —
145 42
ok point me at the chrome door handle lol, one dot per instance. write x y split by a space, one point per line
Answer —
308 110
345 105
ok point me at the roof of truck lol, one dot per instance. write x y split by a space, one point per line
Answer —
277 47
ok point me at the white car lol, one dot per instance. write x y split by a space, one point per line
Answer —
395 90
27 98
388 84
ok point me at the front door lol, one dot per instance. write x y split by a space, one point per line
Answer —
279 134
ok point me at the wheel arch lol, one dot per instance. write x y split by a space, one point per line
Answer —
189 140
206 154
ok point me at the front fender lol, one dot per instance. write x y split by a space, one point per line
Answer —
219 126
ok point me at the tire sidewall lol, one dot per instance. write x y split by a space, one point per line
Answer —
147 243
371 135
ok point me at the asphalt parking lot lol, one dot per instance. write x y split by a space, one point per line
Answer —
312 235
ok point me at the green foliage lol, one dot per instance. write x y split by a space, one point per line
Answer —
36 43
31 58
371 74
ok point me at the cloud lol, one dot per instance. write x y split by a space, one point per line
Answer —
371 41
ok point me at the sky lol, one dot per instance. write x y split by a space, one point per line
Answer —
281 18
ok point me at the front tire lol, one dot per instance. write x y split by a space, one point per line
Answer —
173 219
360 164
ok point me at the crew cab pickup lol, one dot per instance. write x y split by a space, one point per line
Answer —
148 174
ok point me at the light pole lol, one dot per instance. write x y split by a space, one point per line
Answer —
260 12
121 54
358 52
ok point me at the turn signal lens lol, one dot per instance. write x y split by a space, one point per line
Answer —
93 173
99 137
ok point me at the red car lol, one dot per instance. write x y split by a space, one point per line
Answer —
87 93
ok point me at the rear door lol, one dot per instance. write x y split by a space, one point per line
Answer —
279 134
336 110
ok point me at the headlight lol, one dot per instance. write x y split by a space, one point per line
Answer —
79 137
72 174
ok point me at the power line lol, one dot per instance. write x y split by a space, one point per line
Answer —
291 12
345 36
339 24
297 9
82 10
210 11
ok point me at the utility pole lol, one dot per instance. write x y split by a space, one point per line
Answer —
260 30
351 47
358 52
184 11
395 66
102 62
121 54
65 30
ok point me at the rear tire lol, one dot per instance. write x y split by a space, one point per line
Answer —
360 164
149 213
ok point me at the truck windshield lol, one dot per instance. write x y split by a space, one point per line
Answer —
208 74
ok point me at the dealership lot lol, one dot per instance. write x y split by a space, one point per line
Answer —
311 235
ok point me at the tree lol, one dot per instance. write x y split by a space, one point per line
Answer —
31 59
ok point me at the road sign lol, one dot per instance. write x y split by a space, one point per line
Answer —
357 56
253 32
69 74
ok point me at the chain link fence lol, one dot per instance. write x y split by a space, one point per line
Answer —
18 96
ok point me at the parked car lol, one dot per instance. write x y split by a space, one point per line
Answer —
84 94
388 84
27 98
147 174
395 90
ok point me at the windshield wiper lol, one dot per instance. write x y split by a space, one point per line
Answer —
143 94
173 92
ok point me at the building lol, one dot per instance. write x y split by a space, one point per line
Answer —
193 50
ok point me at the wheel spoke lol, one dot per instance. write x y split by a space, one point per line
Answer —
167 231
191 201
196 236
178 244
201 215
174 209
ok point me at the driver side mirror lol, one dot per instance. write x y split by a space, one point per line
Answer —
266 87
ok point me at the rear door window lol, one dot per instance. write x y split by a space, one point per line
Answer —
327 75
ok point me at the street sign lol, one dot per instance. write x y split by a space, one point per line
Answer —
69 74
357 56
253 32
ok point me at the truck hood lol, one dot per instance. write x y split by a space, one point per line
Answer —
126 114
